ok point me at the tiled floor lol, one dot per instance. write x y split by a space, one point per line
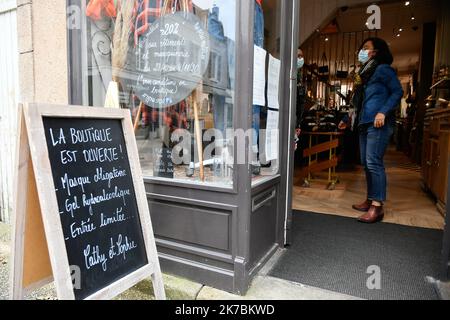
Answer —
407 204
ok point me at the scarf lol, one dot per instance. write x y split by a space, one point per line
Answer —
361 78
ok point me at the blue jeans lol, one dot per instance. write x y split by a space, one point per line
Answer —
258 36
373 144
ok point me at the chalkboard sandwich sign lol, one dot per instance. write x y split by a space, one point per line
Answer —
81 214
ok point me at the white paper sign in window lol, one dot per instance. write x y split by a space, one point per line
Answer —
272 135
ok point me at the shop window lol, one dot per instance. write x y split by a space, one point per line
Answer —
174 64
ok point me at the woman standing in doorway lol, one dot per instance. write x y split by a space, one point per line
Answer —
376 95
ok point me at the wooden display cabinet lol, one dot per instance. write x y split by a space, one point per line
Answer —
436 155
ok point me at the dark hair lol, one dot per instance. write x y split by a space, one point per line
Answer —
384 55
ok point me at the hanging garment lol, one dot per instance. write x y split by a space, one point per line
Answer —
148 11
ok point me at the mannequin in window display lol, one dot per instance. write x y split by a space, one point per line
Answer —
259 41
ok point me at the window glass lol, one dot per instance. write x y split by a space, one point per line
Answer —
172 64
266 90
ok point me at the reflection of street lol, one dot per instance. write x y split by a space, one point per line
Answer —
147 149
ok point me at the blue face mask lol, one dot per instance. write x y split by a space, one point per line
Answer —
363 56
300 63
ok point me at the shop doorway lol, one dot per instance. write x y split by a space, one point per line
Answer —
402 256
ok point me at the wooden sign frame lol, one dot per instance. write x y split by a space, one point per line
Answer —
39 253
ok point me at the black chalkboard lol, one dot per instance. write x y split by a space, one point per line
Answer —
96 200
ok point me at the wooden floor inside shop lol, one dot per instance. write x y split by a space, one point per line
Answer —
407 204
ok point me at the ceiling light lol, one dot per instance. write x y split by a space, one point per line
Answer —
398 34
407 3
400 30
413 18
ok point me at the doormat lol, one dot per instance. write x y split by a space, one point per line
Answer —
376 262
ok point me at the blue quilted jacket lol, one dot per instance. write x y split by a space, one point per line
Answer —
382 94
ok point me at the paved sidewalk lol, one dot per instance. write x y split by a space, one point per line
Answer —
262 288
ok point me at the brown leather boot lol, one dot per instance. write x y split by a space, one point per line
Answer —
374 215
363 207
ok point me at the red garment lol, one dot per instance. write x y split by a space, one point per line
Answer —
259 2
96 7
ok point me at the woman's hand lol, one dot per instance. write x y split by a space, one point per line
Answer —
379 120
